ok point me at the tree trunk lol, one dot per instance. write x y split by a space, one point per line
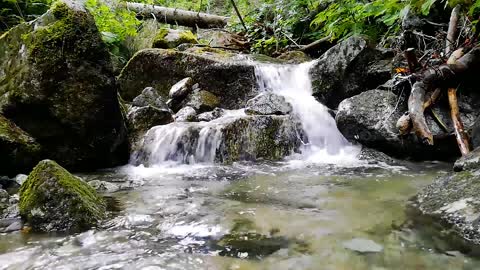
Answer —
178 16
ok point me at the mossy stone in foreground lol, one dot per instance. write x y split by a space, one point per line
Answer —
52 199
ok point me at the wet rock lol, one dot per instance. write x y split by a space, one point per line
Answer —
103 186
294 57
251 245
141 119
51 199
171 38
233 82
363 245
66 101
181 89
224 140
150 97
203 101
14 226
187 114
468 162
370 119
268 104
349 68
19 151
451 204
209 116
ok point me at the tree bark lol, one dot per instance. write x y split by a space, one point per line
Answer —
460 134
452 31
416 111
178 16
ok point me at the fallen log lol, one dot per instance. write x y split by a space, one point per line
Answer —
178 16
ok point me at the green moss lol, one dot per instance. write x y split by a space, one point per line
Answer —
53 199
169 39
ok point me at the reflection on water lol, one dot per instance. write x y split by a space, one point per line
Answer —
176 217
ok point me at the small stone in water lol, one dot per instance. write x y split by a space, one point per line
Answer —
363 245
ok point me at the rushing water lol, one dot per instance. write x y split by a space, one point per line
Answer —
175 212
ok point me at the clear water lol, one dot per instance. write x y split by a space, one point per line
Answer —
171 217
175 214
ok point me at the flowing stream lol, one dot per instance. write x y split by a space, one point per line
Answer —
324 208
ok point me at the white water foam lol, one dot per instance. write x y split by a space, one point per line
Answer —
325 142
197 143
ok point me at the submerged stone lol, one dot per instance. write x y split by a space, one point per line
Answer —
363 245
251 245
58 86
52 199
268 104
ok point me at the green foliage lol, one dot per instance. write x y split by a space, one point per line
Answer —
13 12
113 20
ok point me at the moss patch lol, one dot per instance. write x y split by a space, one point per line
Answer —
169 39
52 199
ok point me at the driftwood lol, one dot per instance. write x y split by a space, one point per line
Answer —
416 111
178 16
460 135
452 32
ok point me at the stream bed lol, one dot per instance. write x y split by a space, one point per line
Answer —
320 216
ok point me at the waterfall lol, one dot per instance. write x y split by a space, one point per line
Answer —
294 83
204 142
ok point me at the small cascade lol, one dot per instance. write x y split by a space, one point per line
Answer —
187 143
207 142
294 83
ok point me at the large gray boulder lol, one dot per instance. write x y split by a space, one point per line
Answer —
218 72
370 119
224 140
58 86
451 204
349 68
268 104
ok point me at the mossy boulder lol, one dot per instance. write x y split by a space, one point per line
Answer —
268 104
203 101
231 80
52 199
18 150
349 68
170 38
57 85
